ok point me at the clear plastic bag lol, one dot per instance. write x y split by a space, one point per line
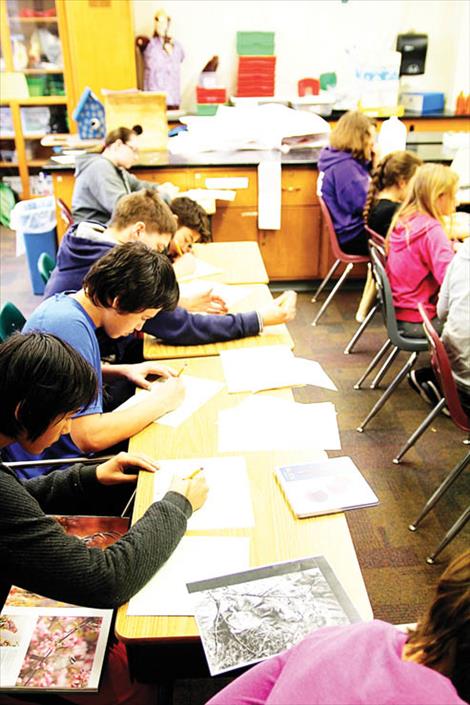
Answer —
34 216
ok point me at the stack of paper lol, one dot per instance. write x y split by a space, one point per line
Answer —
228 504
269 423
272 367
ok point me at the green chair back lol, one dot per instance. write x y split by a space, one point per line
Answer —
11 320
45 266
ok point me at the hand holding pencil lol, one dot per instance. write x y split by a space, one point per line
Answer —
193 487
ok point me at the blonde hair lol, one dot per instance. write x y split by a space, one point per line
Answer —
429 182
351 134
392 168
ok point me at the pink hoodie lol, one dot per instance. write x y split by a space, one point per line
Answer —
419 253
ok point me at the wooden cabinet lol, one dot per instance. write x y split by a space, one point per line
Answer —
36 96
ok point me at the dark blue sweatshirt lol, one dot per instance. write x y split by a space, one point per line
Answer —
85 243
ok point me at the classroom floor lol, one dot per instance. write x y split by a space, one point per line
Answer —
392 559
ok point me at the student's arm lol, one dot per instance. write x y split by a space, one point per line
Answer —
438 252
179 327
137 372
37 555
95 432
353 196
253 687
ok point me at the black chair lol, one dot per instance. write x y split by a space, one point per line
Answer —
396 339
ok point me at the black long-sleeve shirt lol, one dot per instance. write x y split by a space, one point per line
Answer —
36 553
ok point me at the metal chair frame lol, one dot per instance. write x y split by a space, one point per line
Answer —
441 365
340 257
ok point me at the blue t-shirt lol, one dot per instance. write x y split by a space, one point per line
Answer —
64 317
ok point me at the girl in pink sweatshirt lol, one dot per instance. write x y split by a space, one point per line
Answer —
418 249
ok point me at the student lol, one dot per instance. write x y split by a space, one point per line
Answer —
121 291
43 383
373 663
193 226
388 188
453 310
102 179
142 216
418 249
344 178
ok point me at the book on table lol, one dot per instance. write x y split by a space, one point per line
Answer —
48 645
252 615
324 487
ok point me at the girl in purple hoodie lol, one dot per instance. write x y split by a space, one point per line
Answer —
419 250
344 179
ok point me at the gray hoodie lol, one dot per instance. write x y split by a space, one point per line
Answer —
453 307
98 187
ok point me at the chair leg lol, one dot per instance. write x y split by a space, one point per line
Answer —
326 280
384 369
376 359
332 293
389 391
443 487
452 533
350 346
420 430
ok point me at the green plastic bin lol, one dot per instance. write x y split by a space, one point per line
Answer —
255 43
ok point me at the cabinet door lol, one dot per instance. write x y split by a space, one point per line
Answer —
231 224
293 252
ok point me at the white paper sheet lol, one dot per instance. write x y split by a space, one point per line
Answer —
201 269
230 293
195 558
268 423
228 182
228 504
269 195
272 367
198 392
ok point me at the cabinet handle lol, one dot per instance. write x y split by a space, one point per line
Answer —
290 189
249 214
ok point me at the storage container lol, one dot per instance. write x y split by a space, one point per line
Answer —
6 121
37 85
422 102
35 119
255 43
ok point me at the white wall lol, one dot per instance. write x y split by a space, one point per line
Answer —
313 36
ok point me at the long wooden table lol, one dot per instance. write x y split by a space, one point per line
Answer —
241 262
277 536
258 296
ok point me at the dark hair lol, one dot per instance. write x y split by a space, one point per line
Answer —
147 206
191 215
41 379
392 168
441 639
136 276
120 133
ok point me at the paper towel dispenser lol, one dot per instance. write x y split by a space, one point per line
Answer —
413 48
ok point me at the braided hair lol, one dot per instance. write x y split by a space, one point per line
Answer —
392 168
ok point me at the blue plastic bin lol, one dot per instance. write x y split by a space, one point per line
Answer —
35 220
36 244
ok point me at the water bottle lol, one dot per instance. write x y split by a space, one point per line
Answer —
392 136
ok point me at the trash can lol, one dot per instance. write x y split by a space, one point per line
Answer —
35 224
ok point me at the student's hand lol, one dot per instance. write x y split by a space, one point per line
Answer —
204 302
138 372
116 470
281 310
194 490
169 393
184 265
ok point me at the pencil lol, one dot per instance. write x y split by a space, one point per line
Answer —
180 372
178 249
193 474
